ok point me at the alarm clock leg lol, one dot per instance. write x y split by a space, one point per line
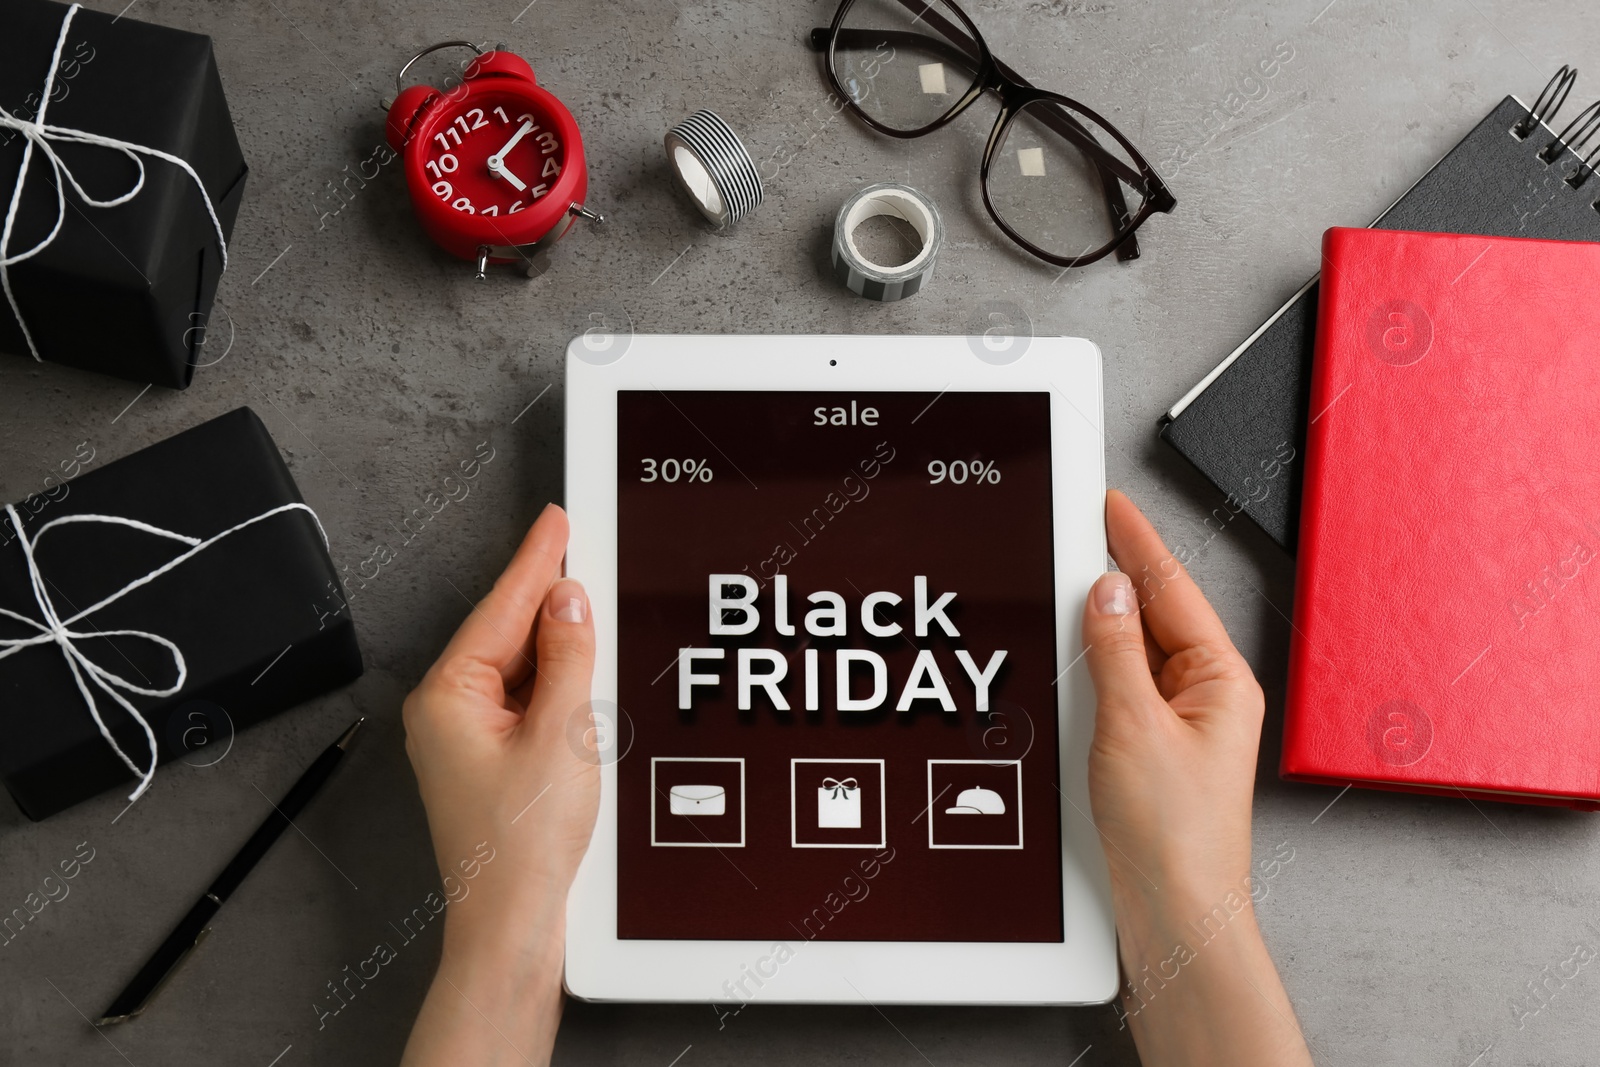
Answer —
483 262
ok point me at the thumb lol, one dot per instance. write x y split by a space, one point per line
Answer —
563 650
1113 638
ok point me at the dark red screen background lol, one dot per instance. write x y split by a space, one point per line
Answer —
790 496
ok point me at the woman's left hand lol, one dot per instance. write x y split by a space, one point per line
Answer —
500 736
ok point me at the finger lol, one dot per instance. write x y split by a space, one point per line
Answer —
1177 612
499 631
1152 650
565 651
1114 644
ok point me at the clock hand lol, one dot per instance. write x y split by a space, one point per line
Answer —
522 131
497 162
498 169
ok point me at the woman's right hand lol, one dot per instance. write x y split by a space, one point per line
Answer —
1172 767
1171 779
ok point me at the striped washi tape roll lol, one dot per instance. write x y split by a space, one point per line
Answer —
713 167
868 279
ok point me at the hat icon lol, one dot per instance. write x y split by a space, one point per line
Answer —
978 802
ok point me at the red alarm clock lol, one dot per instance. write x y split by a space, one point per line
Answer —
494 164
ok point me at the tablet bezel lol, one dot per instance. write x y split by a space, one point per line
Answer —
1081 969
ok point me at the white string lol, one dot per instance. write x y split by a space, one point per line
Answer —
58 631
39 134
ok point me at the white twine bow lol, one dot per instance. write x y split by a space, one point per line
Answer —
840 788
58 631
38 134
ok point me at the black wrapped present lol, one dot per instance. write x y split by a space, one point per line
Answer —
187 574
121 177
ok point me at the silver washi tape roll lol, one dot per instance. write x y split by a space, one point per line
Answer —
713 167
868 279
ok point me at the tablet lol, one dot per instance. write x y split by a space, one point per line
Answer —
842 715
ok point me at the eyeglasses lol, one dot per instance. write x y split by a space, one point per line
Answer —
1061 181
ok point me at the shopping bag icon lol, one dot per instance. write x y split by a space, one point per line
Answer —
697 800
839 804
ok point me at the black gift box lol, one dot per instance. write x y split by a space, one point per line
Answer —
257 615
122 290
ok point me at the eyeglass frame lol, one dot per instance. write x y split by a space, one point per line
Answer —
1016 94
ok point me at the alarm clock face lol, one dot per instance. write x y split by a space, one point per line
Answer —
491 155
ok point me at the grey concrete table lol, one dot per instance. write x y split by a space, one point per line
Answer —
1406 927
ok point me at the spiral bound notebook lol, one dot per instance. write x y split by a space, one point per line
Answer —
1244 424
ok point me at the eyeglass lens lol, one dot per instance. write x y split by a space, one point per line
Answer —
896 65
1045 185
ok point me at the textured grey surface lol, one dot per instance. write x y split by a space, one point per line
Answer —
1404 926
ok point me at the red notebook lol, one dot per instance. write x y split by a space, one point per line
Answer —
1447 609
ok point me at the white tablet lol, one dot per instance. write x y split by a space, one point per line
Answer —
838 585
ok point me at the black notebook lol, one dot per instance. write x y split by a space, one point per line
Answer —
1244 424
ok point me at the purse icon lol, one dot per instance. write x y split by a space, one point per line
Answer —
839 804
697 800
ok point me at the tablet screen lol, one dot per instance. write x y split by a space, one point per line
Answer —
836 656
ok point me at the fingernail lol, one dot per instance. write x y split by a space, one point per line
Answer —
1114 594
567 602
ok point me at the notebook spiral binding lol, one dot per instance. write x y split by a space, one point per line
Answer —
1575 136
1549 102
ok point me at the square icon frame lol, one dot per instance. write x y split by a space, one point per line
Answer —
696 844
1016 763
883 806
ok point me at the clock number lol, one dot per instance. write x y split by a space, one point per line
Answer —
446 164
649 474
504 118
518 206
548 141
479 121
492 209
443 190
463 204
451 130
551 169
538 190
